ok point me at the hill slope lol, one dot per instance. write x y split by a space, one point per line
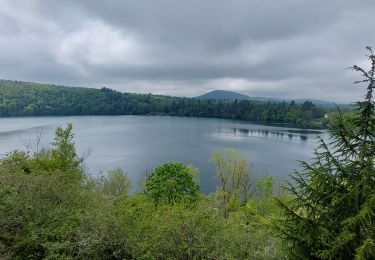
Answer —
231 95
223 95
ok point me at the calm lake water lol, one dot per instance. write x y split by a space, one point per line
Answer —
139 143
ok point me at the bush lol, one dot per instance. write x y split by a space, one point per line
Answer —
172 183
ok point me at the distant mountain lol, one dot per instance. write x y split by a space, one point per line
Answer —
297 101
223 95
230 95
267 99
315 101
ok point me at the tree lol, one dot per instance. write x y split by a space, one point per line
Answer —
332 211
114 184
172 183
63 152
235 178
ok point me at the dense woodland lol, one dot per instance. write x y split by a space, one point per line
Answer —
32 99
50 208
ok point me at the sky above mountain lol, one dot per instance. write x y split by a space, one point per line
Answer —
286 49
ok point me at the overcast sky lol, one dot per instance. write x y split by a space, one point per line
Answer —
286 49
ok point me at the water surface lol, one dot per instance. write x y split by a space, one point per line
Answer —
139 143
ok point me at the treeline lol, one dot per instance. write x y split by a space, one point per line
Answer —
32 99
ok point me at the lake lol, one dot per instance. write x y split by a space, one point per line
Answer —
138 143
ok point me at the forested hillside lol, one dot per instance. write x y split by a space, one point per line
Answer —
32 99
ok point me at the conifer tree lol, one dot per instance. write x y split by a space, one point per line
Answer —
332 211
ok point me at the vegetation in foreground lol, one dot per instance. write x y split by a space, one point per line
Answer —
32 99
50 209
332 213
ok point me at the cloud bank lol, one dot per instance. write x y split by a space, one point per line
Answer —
286 49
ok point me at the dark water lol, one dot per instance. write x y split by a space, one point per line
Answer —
138 143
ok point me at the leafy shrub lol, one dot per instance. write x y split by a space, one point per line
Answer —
171 183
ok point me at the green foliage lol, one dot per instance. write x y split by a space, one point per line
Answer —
63 152
171 183
41 200
235 178
261 211
136 229
32 99
115 183
332 211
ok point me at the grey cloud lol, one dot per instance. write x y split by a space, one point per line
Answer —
290 48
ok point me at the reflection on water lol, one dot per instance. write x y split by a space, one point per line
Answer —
36 129
280 134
